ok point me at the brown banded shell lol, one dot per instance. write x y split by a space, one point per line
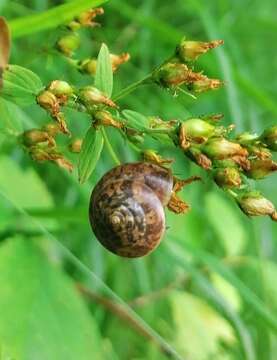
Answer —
127 208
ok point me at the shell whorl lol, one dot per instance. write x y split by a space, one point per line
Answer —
126 208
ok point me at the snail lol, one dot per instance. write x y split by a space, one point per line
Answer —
126 209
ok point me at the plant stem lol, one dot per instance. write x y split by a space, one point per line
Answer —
132 87
110 148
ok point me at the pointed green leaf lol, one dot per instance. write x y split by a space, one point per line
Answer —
90 153
136 120
104 72
20 85
42 314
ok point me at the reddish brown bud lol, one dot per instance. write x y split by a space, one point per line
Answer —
206 84
199 158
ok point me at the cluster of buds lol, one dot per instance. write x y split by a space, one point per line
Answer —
55 95
88 66
70 42
231 161
41 145
178 71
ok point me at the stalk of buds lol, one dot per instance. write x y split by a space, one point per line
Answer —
88 66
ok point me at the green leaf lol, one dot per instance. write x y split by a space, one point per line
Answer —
197 322
233 241
90 153
11 118
51 18
20 85
136 120
42 315
104 72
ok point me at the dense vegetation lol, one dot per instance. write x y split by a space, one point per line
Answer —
208 291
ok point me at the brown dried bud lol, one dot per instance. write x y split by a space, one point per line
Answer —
118 60
206 84
199 158
261 168
191 50
86 18
90 96
106 119
34 136
48 101
254 204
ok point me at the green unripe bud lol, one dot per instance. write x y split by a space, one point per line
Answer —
68 44
269 137
220 148
227 177
254 204
91 96
247 138
59 88
195 131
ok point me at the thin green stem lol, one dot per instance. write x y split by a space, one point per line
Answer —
132 87
110 148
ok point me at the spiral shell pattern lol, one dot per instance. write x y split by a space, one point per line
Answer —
126 208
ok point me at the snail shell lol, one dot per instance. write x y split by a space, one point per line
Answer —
127 208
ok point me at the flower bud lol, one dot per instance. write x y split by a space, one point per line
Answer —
91 96
175 74
261 168
33 137
48 101
59 88
227 178
195 131
105 118
75 146
118 60
269 137
205 84
191 50
259 151
52 129
247 138
88 66
86 18
68 44
220 148
254 204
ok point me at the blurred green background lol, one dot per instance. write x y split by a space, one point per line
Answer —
209 289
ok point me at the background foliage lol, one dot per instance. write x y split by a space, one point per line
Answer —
209 289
